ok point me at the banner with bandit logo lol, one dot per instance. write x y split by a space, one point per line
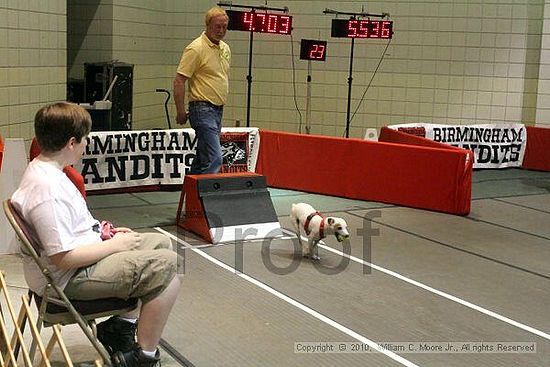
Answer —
235 152
494 145
119 159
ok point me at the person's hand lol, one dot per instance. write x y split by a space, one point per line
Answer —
181 117
126 241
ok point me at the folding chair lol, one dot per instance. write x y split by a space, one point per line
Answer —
8 354
54 307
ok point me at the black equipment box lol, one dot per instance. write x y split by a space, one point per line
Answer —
98 77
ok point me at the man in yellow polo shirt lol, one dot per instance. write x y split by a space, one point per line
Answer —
205 65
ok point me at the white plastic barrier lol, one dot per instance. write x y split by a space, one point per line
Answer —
13 166
371 134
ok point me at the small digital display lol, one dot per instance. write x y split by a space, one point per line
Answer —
313 50
262 22
362 28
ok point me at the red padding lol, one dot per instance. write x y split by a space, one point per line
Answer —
35 149
422 177
195 217
394 136
537 154
76 178
1 152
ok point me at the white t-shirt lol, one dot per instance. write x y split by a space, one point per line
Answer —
57 212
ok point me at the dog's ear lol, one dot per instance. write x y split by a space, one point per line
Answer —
330 221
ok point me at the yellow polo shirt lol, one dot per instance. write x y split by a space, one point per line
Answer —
206 65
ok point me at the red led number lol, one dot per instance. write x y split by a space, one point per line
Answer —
262 22
272 24
352 28
386 30
369 29
285 24
248 19
317 52
261 16
376 29
363 29
266 23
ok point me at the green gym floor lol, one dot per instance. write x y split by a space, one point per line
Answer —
415 282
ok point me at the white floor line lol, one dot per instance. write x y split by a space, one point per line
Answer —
435 291
294 303
226 243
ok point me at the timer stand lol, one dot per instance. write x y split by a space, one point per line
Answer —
253 21
311 50
350 81
249 77
353 28
308 98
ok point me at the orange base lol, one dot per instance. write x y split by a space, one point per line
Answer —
195 217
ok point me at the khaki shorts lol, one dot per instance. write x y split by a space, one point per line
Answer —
142 273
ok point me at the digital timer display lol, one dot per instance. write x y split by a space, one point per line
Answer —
262 22
313 50
362 28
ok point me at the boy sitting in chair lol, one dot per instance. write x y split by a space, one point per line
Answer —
89 264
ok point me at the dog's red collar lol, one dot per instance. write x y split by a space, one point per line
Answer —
321 226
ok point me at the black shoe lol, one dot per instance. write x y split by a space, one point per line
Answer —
135 358
117 335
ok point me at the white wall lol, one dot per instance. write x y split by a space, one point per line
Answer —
140 37
452 61
449 62
543 97
32 61
89 34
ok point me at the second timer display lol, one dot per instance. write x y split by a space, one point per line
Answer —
362 28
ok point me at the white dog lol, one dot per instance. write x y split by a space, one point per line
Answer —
315 226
